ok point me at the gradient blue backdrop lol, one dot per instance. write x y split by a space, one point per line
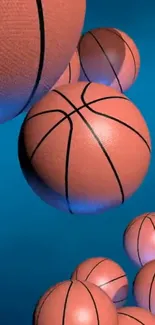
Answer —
39 245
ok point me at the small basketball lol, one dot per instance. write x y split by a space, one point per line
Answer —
78 139
31 64
75 303
71 73
109 56
135 316
107 275
144 287
139 239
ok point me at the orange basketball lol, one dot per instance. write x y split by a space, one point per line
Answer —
89 144
37 40
75 303
139 239
144 287
71 73
135 316
107 275
109 56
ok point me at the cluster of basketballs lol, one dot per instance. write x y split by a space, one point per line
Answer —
98 288
84 146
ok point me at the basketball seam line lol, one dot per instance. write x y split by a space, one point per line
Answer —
150 292
81 64
94 267
129 48
113 280
106 56
65 303
94 303
67 154
124 314
138 238
49 293
42 53
70 73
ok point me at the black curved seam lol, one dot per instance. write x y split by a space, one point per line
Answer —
150 292
67 154
153 225
120 300
124 314
65 303
81 64
138 239
105 152
98 263
69 73
94 303
42 53
99 143
126 231
35 320
113 118
113 280
111 66
129 48
79 108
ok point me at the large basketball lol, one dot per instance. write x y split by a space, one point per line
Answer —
75 303
109 56
37 41
139 239
89 144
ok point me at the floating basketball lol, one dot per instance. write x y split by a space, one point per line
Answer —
76 303
109 56
87 143
71 73
144 287
107 275
139 239
135 316
36 44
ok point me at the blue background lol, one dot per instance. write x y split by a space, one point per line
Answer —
39 245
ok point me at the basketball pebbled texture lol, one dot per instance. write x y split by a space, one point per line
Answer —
37 40
71 73
89 144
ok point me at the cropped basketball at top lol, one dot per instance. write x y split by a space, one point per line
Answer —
89 144
37 40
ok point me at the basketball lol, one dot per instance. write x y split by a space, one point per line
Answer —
144 287
71 73
109 56
107 275
139 239
76 303
135 316
36 44
79 140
